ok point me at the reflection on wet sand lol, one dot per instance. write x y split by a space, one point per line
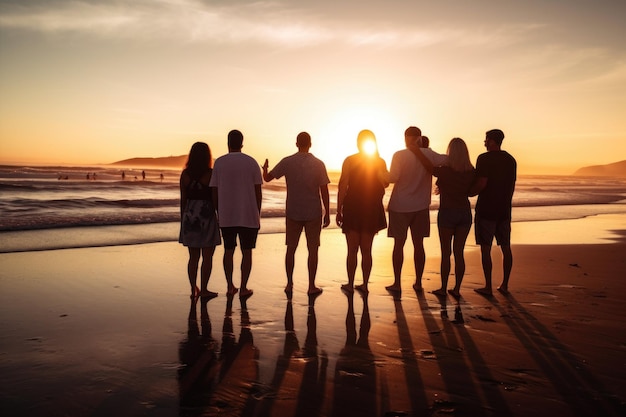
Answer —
355 372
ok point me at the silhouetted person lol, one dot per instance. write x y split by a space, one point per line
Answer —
307 190
360 211
123 175
236 183
199 230
496 173
143 175
409 205
454 220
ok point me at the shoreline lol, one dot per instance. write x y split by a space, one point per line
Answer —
111 330
134 234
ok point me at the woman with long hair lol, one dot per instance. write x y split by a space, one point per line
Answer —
454 219
199 230
360 211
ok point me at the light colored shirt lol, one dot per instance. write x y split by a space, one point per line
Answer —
304 175
235 176
412 182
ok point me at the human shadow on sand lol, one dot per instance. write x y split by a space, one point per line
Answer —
580 389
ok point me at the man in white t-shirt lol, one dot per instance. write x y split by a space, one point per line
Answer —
236 183
409 205
307 188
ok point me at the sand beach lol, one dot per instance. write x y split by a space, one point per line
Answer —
105 331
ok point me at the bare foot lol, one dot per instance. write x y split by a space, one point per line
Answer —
484 291
504 290
394 288
245 293
362 288
455 294
208 294
314 291
232 290
289 288
347 288
440 292
418 288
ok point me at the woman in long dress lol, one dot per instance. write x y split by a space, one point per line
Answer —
199 230
360 211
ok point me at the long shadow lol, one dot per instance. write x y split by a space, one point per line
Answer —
239 373
579 388
414 382
199 365
290 349
313 387
355 371
465 398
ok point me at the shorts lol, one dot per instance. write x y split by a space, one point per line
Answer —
312 230
418 221
451 218
485 230
247 237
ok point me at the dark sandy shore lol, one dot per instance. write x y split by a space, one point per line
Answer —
111 332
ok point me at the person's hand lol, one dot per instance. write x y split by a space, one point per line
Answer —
266 164
339 219
326 220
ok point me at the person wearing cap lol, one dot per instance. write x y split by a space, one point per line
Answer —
496 173
409 205
307 191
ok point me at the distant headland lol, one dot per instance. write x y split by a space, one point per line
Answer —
617 169
163 162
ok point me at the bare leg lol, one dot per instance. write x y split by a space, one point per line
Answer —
366 259
507 264
352 239
485 251
460 237
445 242
419 259
228 270
205 271
312 264
192 270
246 267
397 259
289 266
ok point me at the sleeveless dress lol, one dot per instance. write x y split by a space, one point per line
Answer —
198 226
363 209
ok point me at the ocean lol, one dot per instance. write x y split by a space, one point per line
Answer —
55 207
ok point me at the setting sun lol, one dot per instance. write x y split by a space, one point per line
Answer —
369 147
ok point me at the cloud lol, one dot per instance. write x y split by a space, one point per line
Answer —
273 23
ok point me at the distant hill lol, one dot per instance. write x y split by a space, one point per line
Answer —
617 169
166 162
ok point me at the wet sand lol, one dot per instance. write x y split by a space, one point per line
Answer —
112 331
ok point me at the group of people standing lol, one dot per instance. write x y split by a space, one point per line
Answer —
227 197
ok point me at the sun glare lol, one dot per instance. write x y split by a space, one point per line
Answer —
369 147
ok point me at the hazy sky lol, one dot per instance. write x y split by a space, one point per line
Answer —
99 81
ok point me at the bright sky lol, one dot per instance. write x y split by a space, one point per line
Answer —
86 82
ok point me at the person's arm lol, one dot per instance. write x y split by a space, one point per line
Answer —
383 174
326 202
259 195
214 198
479 184
267 177
184 183
417 151
342 189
